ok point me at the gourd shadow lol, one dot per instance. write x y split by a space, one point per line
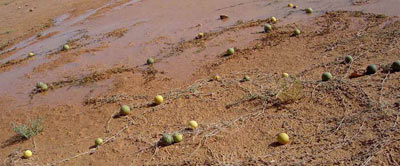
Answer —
259 32
151 105
274 144
116 116
225 55
93 146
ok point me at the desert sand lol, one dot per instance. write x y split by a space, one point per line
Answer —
352 119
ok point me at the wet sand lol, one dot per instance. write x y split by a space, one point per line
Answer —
105 67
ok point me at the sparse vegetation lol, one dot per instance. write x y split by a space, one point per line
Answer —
26 132
93 77
290 90
320 117
14 62
117 33
6 32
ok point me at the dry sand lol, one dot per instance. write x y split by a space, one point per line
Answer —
349 120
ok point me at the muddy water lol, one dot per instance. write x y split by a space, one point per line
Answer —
151 27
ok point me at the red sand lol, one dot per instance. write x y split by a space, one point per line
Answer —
341 122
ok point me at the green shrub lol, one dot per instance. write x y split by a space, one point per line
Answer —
26 132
